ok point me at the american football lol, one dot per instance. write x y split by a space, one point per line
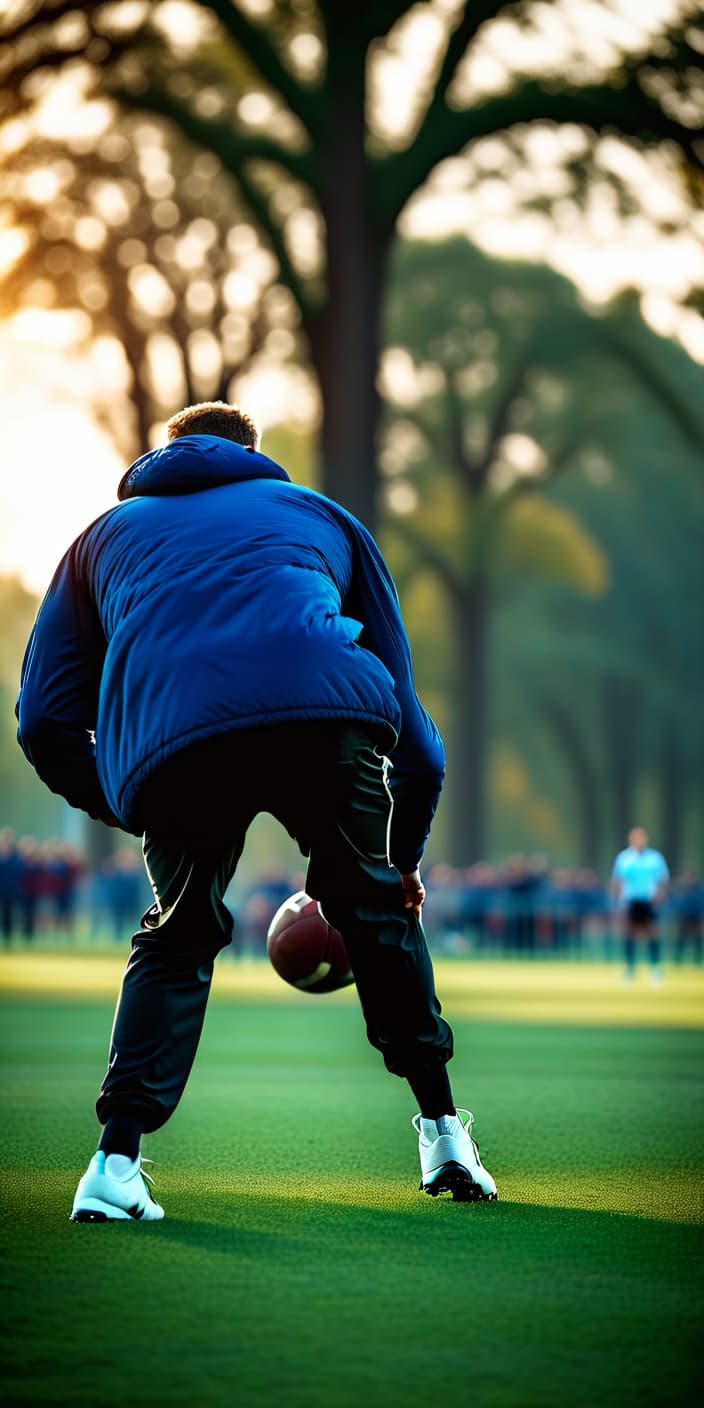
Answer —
303 948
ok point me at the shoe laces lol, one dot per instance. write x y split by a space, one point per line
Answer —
142 1162
469 1120
466 1123
468 1130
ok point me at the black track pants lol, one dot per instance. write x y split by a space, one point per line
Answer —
326 784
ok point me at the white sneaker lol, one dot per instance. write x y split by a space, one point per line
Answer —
449 1159
113 1189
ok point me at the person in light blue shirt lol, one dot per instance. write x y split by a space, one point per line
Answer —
639 883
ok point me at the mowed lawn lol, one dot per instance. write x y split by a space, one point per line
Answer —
298 1266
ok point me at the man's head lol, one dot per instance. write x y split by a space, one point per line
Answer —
215 418
638 838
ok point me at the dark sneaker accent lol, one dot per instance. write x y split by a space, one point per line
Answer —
453 1178
89 1217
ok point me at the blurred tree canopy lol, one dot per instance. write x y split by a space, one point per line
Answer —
189 297
235 186
291 101
623 702
499 384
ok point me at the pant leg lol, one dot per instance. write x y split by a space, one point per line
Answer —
6 918
190 857
629 952
345 823
29 917
654 950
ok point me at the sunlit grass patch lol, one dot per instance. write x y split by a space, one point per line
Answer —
580 994
298 1265
628 1192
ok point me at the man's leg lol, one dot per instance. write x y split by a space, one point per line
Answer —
629 951
6 918
655 953
162 1002
344 822
191 847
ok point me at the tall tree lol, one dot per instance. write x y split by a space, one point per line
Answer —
498 383
624 668
322 174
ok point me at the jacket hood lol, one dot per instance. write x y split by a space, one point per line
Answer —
194 462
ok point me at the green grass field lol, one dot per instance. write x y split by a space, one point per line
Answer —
298 1266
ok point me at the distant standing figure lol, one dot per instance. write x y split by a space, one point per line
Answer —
9 883
639 883
689 909
123 887
30 884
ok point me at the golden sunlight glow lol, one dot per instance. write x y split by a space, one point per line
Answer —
274 394
67 112
60 466
59 470
588 994
184 24
13 243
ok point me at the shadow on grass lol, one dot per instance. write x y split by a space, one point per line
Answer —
231 1226
305 1303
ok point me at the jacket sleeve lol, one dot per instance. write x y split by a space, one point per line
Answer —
57 705
418 760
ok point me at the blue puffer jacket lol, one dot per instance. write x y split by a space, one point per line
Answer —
216 596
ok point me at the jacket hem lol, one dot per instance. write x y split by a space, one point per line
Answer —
130 788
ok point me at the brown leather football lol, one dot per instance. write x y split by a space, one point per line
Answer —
303 948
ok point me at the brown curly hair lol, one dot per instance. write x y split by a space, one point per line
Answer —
215 418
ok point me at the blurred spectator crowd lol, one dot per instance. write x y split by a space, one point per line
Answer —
524 907
521 907
48 887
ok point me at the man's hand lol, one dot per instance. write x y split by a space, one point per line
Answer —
414 892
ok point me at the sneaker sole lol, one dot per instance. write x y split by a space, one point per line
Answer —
455 1179
94 1210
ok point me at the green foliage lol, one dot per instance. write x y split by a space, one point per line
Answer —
521 383
542 539
26 806
18 608
320 156
554 456
296 451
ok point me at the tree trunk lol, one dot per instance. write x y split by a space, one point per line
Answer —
345 354
134 349
344 335
573 744
621 698
672 800
467 753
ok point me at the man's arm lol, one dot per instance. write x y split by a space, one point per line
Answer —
616 885
57 706
418 761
